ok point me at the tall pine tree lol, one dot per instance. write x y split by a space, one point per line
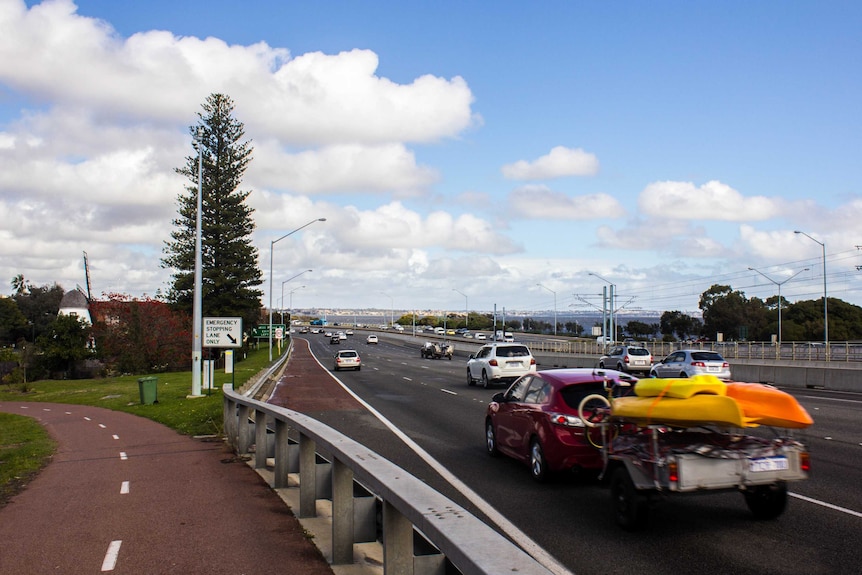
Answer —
230 274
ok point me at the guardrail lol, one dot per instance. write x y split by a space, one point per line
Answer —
323 464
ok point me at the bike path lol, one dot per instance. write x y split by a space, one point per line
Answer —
126 495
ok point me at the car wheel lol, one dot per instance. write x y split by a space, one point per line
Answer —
621 368
470 381
683 374
538 464
335 368
601 365
358 368
630 508
767 501
485 383
490 439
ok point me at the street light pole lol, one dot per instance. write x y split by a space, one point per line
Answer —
825 304
779 296
555 306
391 310
282 291
197 305
466 308
271 249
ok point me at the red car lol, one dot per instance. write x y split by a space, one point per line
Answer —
536 420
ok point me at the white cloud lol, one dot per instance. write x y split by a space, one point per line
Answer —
539 202
559 162
711 201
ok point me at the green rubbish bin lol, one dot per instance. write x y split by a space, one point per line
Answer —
148 387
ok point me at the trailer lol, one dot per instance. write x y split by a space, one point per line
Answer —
645 462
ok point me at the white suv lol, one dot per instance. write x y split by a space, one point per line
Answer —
499 363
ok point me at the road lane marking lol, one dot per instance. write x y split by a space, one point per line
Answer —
123 456
110 560
124 488
115 436
46 409
103 426
406 379
827 505
87 418
449 392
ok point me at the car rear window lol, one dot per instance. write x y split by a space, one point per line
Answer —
348 354
706 356
513 351
638 351
573 394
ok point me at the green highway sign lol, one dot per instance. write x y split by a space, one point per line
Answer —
262 331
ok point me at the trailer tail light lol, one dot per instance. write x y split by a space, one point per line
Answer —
673 471
805 461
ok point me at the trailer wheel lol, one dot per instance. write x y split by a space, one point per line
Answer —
767 501
630 507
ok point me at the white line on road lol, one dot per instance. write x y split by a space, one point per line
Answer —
87 418
449 392
115 436
46 409
406 379
827 505
110 560
124 488
123 456
103 426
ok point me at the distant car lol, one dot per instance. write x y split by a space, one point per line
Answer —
347 359
349 332
334 339
342 336
499 363
627 358
536 421
480 336
371 339
689 362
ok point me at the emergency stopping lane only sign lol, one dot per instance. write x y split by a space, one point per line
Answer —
222 332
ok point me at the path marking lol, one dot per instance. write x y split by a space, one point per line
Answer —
123 456
87 418
115 436
124 488
827 505
110 560
449 392
406 379
103 426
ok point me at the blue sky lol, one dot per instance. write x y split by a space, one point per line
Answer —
471 146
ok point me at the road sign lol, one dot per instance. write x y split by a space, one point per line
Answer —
222 332
262 331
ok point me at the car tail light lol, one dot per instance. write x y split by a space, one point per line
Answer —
493 362
565 420
673 471
698 364
805 461
532 361
725 365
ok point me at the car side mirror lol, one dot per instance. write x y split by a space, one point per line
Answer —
499 397
472 356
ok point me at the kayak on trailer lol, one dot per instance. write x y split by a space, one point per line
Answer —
765 405
698 409
680 388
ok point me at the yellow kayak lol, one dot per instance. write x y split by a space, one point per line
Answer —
766 405
680 388
698 409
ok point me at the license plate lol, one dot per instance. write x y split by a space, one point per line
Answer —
713 368
768 464
639 362
513 364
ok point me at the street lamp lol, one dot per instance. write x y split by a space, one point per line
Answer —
555 306
779 295
466 308
825 305
271 249
611 327
282 291
197 305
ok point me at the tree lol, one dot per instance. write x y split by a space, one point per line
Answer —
38 304
640 329
679 324
66 342
11 320
230 274
140 335
729 312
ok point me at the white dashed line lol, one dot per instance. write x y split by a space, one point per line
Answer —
449 392
406 379
123 456
25 407
110 560
46 409
115 436
103 426
124 488
87 418
827 505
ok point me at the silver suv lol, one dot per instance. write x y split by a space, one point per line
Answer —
627 358
499 363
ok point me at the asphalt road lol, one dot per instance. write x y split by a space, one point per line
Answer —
429 400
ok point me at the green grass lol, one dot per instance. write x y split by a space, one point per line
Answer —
25 447
189 416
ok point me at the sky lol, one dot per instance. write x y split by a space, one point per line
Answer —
465 155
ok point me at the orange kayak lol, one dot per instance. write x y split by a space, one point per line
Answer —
766 405
698 409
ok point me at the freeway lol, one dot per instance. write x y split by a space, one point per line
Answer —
429 402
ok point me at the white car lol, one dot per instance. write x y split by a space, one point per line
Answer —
371 339
689 362
497 363
481 336
347 359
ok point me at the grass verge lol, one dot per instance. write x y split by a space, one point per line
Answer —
23 444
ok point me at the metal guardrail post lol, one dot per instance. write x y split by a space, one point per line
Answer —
282 454
259 439
342 513
397 542
244 435
307 477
